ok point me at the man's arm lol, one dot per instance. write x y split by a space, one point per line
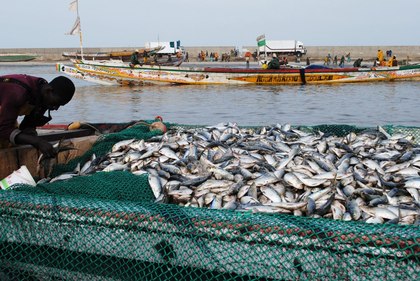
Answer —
45 147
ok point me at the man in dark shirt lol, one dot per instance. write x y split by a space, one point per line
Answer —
274 63
30 96
134 59
358 63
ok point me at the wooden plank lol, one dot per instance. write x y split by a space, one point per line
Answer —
55 135
27 155
8 162
81 145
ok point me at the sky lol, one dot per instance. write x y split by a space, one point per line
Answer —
131 23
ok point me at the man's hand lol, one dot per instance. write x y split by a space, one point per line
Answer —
45 147
30 131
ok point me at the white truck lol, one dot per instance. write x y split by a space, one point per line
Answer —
282 47
169 48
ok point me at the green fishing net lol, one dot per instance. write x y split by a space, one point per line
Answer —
107 226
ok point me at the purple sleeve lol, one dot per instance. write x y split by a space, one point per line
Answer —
11 99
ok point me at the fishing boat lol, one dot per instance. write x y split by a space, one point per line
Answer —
13 158
81 138
16 57
105 80
120 73
115 55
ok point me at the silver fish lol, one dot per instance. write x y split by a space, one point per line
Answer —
155 184
121 145
271 194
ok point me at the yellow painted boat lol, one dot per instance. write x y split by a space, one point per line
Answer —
114 72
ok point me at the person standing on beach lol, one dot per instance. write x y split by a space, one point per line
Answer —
341 61
247 58
348 57
32 97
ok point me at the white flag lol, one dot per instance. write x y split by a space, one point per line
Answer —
76 28
261 37
73 6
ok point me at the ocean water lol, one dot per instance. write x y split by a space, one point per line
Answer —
365 104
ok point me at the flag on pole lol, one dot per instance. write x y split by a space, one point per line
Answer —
76 28
73 6
261 40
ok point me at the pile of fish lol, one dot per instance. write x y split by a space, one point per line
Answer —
369 176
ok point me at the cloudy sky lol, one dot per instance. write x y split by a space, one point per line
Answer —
130 23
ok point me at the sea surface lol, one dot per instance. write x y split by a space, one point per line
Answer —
364 105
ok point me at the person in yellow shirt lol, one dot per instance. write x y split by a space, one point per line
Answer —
380 56
392 62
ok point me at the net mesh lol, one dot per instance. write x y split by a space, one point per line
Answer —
106 226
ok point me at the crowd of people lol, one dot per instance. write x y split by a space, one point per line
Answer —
215 56
381 60
329 60
203 55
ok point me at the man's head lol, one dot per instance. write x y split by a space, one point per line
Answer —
57 93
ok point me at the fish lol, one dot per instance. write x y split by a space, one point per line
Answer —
121 145
155 183
291 179
287 205
47 163
271 194
115 167
412 183
265 179
354 209
379 212
277 169
63 177
309 182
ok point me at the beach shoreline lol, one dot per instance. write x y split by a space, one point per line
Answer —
315 53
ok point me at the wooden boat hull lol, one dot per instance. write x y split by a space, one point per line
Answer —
106 80
116 55
81 139
121 72
13 158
